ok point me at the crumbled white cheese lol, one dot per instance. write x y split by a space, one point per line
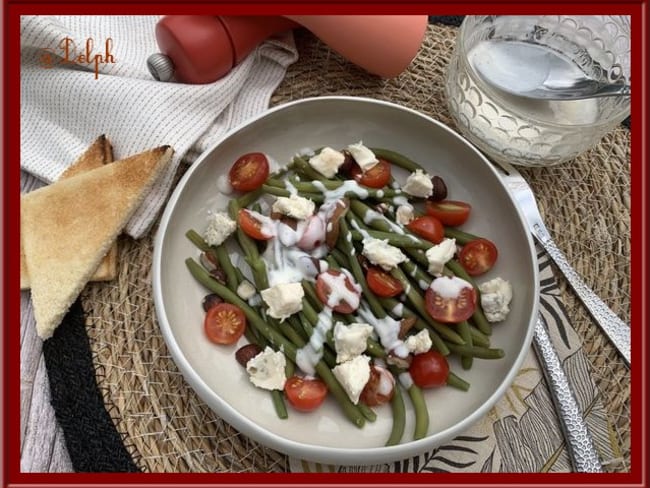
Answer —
327 162
283 299
364 157
350 340
267 369
404 214
294 206
439 255
380 253
418 184
353 376
496 295
219 227
419 343
246 290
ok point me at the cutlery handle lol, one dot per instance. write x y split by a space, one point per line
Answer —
579 442
617 330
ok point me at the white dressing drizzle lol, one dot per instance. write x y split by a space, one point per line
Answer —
339 292
338 193
372 215
387 329
449 286
308 356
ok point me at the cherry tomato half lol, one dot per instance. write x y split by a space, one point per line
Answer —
478 256
346 297
224 323
428 227
249 172
305 394
429 369
450 212
376 177
380 387
455 304
383 284
251 226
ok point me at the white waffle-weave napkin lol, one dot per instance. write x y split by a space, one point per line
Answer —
66 106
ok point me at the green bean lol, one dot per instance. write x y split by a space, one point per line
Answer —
478 337
461 237
415 272
301 166
353 265
463 330
321 186
421 412
197 240
278 404
397 159
399 417
456 381
367 219
226 265
281 192
246 199
477 351
278 340
393 239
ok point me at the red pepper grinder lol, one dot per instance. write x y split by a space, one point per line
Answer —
202 49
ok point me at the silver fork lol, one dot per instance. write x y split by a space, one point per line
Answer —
616 330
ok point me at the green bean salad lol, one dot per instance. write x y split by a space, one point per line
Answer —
346 282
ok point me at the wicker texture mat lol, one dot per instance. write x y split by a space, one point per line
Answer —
167 428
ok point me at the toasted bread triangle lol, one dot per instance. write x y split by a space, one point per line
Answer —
98 153
68 226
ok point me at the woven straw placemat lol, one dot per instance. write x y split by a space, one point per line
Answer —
167 428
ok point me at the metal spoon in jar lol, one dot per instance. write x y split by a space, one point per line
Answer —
533 71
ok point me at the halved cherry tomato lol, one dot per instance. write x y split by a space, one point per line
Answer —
249 172
382 284
376 177
305 394
428 227
251 226
380 387
429 369
456 303
346 296
450 212
224 323
478 256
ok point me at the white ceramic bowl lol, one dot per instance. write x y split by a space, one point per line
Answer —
326 435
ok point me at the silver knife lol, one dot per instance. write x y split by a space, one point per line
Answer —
580 444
